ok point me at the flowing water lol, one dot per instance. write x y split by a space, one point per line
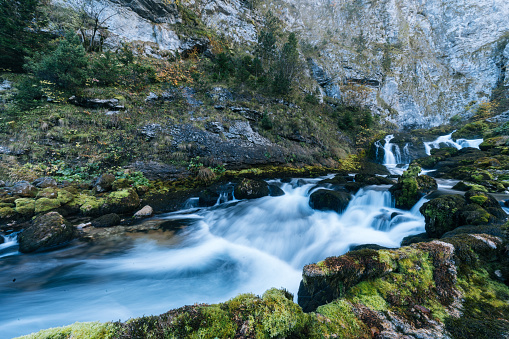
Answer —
395 160
447 140
231 248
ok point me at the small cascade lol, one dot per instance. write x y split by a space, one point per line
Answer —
9 245
393 157
192 203
447 140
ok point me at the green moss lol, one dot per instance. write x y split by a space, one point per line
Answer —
93 330
341 321
91 205
64 196
25 206
6 212
7 204
478 199
216 323
45 204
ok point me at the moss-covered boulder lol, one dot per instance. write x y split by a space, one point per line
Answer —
120 184
89 205
46 231
251 189
488 203
327 200
45 204
411 187
25 206
24 189
441 214
123 201
104 183
7 212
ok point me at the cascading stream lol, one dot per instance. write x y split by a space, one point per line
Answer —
447 140
236 247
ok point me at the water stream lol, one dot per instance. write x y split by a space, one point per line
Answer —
231 248
447 140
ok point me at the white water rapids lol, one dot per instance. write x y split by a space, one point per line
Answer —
447 140
236 247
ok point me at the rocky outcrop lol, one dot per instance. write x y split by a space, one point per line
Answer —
46 231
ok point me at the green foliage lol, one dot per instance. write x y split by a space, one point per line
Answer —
94 330
20 32
287 67
266 122
29 93
66 66
354 118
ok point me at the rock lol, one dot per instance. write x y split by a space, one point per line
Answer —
45 204
411 187
242 130
462 186
413 239
25 206
145 212
488 203
7 212
104 182
45 182
366 179
194 45
24 189
214 127
123 201
46 231
120 184
150 131
352 187
251 189
151 97
367 247
222 95
106 220
153 170
94 103
327 200
275 191
441 214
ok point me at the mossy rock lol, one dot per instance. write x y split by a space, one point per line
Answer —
122 201
120 184
46 231
491 143
91 206
25 206
251 189
45 204
49 192
473 130
64 196
487 162
440 214
6 204
7 212
466 186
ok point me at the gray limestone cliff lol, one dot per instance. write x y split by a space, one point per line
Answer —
414 62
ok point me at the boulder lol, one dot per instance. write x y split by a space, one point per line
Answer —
95 103
145 212
45 182
275 191
367 179
46 231
411 187
25 206
327 200
488 203
123 201
104 182
251 189
441 214
120 184
106 220
24 189
45 204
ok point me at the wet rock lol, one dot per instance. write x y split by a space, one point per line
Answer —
441 214
104 182
24 189
275 191
411 187
145 212
251 189
366 179
45 182
153 170
46 231
95 103
488 203
413 239
106 220
352 187
327 200
367 247
462 186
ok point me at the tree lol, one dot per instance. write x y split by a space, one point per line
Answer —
287 66
91 19
20 23
66 66
267 39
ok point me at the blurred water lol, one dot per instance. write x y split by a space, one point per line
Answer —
231 248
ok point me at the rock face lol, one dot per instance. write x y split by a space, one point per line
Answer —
46 231
419 62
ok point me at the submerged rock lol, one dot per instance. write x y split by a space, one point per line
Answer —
327 200
251 189
46 231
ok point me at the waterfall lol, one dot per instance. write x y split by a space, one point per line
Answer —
392 155
447 140
9 246
235 247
